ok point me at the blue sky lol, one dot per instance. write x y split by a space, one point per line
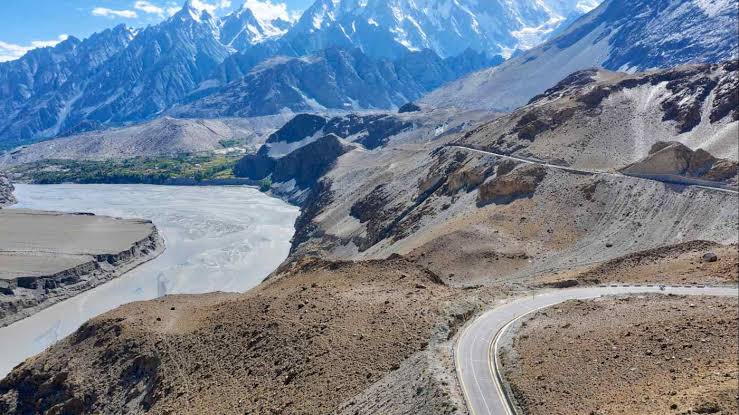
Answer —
34 23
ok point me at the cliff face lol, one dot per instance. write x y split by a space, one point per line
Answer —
68 254
6 191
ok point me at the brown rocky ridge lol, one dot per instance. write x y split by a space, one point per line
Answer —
308 340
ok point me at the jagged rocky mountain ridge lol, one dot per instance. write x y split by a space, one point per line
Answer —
333 78
37 90
123 75
625 35
389 28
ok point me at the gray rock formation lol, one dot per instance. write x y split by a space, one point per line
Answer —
333 78
678 163
599 120
6 191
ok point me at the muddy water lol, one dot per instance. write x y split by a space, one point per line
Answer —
217 239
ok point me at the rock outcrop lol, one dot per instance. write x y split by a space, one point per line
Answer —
409 107
304 149
678 163
301 167
6 191
520 182
580 122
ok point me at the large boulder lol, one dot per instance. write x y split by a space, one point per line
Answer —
409 107
519 183
307 164
673 159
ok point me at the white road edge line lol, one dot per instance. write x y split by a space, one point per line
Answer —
494 368
584 171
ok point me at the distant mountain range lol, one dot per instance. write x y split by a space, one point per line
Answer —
620 35
332 78
388 28
123 75
348 55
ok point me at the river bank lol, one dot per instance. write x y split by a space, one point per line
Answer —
49 257
218 239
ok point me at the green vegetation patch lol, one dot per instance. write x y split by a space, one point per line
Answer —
150 170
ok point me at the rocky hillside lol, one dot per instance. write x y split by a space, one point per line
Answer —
163 136
6 191
620 35
335 78
606 120
509 184
307 341
297 155
476 218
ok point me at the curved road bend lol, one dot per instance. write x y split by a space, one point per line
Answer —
476 349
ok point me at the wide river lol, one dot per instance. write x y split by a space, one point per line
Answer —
217 239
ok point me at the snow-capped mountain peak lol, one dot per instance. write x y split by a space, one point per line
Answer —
446 26
190 10
619 35
255 22
274 18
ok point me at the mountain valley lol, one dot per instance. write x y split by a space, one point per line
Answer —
451 160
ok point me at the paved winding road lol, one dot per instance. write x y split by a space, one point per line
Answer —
476 349
703 184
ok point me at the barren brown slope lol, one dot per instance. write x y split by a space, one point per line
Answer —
646 355
310 338
608 120
164 136
476 218
694 262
